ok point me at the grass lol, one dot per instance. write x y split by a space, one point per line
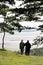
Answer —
14 58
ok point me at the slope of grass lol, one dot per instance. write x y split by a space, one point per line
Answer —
14 58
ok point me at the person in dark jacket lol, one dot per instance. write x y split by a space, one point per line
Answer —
21 46
27 48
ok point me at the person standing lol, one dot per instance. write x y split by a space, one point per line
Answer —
21 46
27 48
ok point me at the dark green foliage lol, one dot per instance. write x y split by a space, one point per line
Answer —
37 52
6 27
3 6
10 1
16 24
38 41
8 21
40 28
3 9
26 1
31 8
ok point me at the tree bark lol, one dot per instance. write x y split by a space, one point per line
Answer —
3 40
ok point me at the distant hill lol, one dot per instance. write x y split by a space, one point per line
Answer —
37 52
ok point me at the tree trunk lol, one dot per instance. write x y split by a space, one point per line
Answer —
3 40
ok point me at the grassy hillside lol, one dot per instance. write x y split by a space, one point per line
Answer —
37 52
14 58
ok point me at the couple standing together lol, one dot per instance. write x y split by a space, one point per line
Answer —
27 47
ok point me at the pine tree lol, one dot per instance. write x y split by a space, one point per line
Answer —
8 24
32 10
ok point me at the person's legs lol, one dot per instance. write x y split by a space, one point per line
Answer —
28 52
21 51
